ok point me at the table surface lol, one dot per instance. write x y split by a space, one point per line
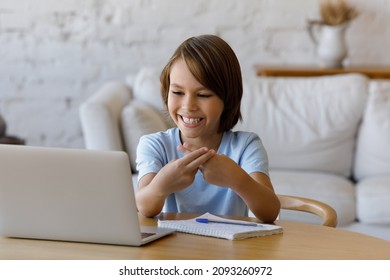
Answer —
298 241
373 72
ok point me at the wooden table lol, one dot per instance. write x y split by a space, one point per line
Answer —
299 241
310 71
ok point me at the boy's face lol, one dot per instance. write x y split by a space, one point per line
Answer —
195 109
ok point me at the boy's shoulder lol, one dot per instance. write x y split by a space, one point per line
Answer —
167 135
240 139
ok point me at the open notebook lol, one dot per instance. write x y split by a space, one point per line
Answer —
220 227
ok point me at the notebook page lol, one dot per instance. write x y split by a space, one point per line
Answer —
220 229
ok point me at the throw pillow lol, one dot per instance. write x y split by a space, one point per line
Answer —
147 88
372 151
138 119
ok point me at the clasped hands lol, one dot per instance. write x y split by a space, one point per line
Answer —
216 168
178 174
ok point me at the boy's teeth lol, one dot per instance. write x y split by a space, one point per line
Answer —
191 120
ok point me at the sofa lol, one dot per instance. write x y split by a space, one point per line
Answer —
327 138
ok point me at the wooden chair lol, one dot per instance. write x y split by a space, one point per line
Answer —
323 210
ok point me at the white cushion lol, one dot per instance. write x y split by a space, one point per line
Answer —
146 88
139 119
373 150
100 115
373 196
306 123
333 190
379 231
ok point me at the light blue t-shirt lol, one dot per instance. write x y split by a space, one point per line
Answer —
245 148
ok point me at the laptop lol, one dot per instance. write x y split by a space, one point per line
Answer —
70 195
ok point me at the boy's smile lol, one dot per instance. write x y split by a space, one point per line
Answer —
195 109
191 120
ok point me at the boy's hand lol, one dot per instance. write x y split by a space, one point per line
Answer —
218 170
153 188
180 173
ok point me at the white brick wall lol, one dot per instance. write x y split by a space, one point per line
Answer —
54 54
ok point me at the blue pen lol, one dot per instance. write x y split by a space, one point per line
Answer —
241 223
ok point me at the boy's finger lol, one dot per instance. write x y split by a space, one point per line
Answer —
186 148
189 146
183 149
193 156
190 156
196 163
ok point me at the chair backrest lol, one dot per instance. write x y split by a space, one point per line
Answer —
323 210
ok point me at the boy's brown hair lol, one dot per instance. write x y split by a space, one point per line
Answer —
214 64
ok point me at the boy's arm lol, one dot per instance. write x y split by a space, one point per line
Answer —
153 188
257 192
255 189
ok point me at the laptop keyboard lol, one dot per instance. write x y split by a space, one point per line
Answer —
147 234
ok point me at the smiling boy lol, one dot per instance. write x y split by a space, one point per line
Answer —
202 165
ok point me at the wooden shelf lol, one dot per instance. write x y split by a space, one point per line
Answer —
310 71
11 140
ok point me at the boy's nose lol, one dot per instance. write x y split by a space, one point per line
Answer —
189 103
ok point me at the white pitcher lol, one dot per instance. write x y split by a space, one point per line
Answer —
330 43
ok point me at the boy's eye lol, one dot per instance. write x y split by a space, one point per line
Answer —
177 93
200 94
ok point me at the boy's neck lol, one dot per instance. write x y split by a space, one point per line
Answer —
211 143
